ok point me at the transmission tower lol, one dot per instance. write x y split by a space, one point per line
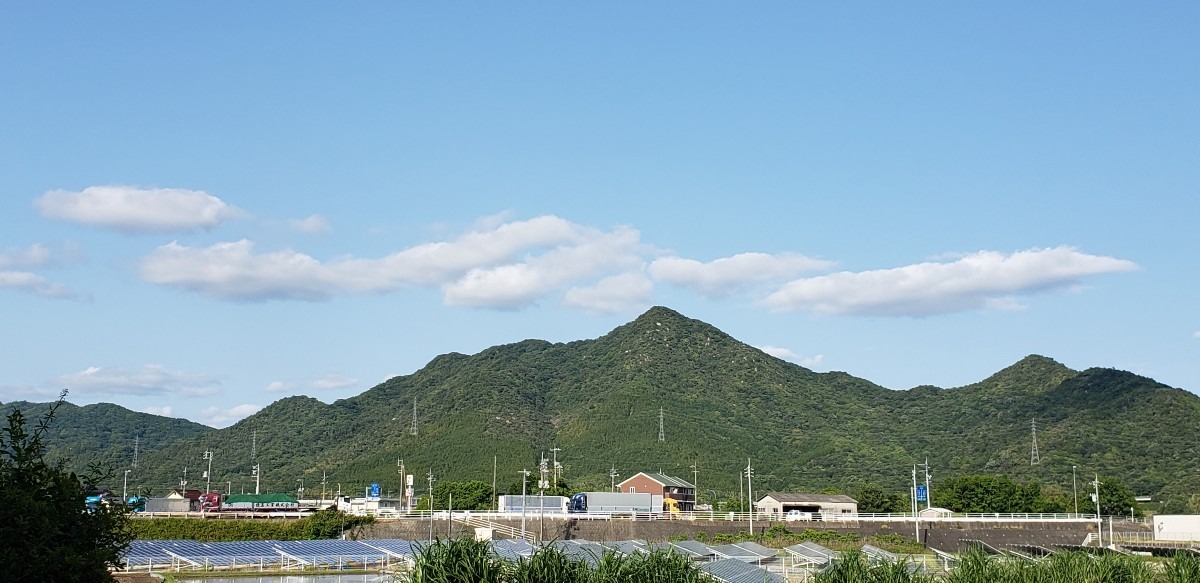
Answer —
136 439
413 430
662 437
1034 459
254 444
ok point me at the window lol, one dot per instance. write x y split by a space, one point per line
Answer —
632 490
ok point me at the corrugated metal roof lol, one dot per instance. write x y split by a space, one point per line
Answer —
790 498
664 480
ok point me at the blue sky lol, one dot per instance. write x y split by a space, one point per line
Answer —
208 207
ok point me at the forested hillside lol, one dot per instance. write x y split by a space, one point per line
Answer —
721 402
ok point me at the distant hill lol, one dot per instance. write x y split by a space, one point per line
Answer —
722 402
105 433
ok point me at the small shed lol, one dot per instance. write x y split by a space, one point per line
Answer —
818 506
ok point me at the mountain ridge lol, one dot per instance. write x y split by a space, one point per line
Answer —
721 401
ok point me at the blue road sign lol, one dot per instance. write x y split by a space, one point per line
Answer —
374 490
922 494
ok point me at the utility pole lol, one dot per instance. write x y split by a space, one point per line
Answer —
750 493
430 476
695 485
208 455
542 483
1099 521
495 498
322 488
928 492
257 476
916 517
125 487
554 453
524 478
400 464
612 475
741 492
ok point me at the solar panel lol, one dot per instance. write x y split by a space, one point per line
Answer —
735 571
811 552
692 548
627 547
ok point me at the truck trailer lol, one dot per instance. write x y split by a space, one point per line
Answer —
615 503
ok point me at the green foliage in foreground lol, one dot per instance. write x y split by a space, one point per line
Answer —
327 523
470 561
976 567
47 532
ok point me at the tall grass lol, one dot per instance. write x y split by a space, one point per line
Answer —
977 567
469 561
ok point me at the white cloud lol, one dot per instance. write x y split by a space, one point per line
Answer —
218 417
164 411
511 265
721 277
132 209
311 225
332 382
326 383
811 361
37 285
152 379
35 255
520 284
789 355
986 279
618 293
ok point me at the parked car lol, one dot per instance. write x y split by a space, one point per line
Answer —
798 515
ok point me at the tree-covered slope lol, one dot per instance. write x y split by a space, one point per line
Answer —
721 402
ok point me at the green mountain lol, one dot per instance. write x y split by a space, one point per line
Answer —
721 401
105 433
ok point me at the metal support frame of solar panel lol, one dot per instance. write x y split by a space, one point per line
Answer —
745 553
875 553
1035 552
975 543
811 553
735 571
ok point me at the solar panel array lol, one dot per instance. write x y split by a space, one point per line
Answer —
735 571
